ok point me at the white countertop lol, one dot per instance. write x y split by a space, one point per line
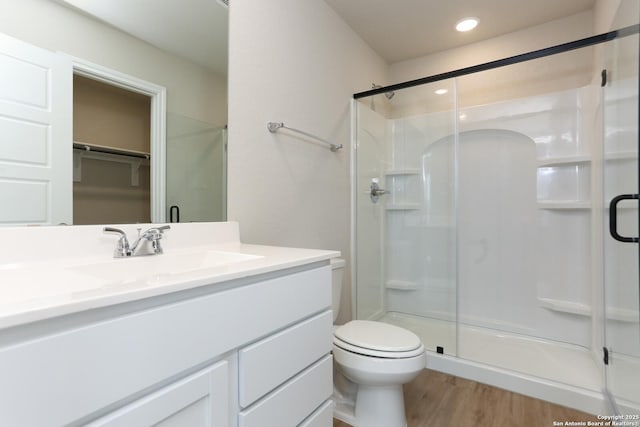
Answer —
39 282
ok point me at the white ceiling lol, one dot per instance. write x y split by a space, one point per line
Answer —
405 29
396 29
196 30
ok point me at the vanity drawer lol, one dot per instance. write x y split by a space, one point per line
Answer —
272 361
322 417
292 403
201 399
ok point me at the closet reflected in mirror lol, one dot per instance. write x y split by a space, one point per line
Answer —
185 58
111 154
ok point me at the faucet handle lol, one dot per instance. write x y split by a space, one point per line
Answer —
155 234
123 249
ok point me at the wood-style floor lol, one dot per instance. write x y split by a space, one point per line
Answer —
435 399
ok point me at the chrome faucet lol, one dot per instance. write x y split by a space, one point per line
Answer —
138 248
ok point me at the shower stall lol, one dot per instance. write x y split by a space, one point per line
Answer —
496 216
196 170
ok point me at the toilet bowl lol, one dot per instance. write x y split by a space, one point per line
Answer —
372 362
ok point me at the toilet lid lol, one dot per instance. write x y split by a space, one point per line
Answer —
367 335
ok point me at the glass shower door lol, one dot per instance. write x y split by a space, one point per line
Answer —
621 267
370 161
196 170
405 207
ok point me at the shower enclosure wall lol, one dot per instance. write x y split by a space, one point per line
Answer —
491 241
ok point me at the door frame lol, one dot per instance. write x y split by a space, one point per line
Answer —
158 135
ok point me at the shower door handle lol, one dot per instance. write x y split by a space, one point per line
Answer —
613 218
177 211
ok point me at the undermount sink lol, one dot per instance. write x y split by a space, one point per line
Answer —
154 267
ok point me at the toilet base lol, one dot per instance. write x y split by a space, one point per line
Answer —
380 406
367 405
344 397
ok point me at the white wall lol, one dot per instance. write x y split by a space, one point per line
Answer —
299 63
192 90
523 41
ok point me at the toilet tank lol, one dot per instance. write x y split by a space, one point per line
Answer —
337 272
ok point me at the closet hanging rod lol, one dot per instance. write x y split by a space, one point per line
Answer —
109 150
274 126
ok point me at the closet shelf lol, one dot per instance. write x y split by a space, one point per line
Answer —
95 148
134 159
119 192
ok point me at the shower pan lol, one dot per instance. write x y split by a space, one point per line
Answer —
492 233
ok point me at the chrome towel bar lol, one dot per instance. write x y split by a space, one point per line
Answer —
273 127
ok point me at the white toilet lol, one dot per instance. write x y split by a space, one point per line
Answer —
372 361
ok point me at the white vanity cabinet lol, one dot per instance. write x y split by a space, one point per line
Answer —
250 352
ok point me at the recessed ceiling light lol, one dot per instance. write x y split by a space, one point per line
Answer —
467 24
441 91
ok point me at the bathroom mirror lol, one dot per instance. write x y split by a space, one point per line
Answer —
180 45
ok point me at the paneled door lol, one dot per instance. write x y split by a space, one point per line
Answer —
35 135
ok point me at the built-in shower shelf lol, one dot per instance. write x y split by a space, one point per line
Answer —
396 172
442 224
403 207
401 285
622 155
575 160
630 204
564 204
622 314
559 161
570 307
578 205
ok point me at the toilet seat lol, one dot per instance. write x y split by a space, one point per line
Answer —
377 339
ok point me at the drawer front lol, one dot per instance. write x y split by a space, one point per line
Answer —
292 403
124 355
202 399
272 361
322 417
